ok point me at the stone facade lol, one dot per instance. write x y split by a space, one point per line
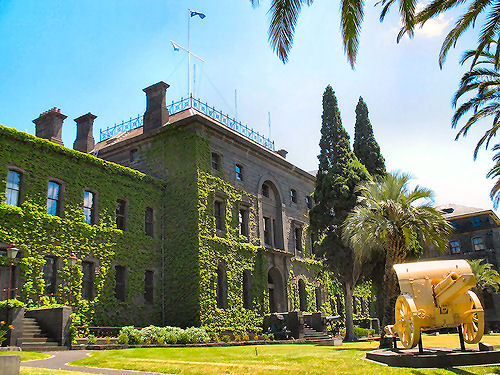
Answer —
228 206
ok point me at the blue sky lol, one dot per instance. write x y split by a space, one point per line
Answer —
97 56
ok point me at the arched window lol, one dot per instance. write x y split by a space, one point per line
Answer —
221 286
302 295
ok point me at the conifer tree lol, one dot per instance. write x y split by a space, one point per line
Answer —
365 146
334 195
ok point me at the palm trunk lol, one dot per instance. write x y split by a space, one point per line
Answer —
390 293
349 322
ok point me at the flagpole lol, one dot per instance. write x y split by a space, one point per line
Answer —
189 56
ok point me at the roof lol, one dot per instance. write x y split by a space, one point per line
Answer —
454 211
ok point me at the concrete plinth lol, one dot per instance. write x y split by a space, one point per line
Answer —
433 357
9 364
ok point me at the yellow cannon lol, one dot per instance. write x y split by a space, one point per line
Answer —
436 295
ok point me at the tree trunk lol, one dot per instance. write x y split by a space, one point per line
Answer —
390 293
349 322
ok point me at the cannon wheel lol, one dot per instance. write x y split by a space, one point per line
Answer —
406 325
473 326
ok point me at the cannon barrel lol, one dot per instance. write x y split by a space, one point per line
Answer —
452 286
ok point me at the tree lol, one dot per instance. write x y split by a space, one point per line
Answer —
285 14
486 276
396 220
365 146
334 195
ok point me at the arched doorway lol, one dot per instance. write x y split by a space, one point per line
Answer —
302 295
275 286
271 216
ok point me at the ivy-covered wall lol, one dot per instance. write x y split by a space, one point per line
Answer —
38 234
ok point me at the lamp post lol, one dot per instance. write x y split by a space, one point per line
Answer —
72 262
11 254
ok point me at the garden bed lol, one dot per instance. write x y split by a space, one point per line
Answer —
199 345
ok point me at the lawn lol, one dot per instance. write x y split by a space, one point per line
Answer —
42 371
271 359
27 356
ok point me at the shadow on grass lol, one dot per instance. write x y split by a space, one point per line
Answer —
456 371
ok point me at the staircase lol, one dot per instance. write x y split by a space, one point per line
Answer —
316 337
35 340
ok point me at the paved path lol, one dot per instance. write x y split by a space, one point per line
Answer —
59 361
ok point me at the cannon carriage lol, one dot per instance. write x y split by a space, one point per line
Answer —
435 295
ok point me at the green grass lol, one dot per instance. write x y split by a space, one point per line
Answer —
27 356
271 359
43 371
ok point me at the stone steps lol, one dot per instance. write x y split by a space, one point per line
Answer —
315 337
34 339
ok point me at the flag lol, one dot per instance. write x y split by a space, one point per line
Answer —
193 13
175 45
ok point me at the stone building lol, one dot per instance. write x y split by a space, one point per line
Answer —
476 235
183 215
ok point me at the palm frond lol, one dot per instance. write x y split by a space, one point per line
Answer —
351 18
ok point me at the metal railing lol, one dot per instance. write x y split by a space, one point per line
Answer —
185 103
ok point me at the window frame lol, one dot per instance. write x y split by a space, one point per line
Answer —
216 164
476 222
298 238
149 226
149 287
120 285
220 225
243 220
482 245
60 197
133 155
88 287
309 202
123 216
453 249
238 172
265 189
21 174
53 278
293 195
93 208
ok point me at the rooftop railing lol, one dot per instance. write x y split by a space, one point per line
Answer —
181 105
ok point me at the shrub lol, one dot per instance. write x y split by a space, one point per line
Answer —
150 335
170 338
360 332
183 337
134 335
214 337
91 340
11 303
226 338
237 337
245 337
197 335
123 338
108 340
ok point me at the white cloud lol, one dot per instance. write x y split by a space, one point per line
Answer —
432 28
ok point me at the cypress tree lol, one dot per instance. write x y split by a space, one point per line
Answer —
365 146
334 195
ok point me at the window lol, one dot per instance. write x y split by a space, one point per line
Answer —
455 224
50 275
148 286
88 269
238 172
247 284
477 244
221 286
218 215
215 161
243 217
88 207
267 231
265 190
53 199
293 195
149 221
133 155
297 231
476 222
309 201
120 213
13 188
120 283
455 247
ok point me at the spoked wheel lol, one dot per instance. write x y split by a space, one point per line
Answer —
407 327
473 320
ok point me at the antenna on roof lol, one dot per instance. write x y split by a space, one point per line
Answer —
236 104
269 122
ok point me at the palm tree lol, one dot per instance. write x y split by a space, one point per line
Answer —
396 220
483 80
285 14
486 276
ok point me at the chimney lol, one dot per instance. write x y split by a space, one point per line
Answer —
156 114
84 141
49 125
282 153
